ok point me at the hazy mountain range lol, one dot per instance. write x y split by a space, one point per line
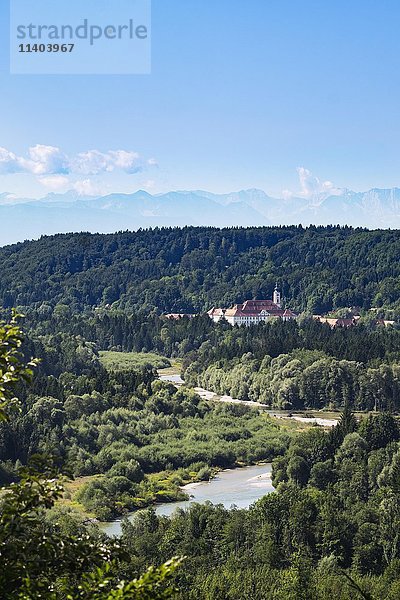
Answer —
24 218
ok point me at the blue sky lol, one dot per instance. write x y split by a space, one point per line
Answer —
241 95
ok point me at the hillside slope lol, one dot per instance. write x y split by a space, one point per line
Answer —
191 269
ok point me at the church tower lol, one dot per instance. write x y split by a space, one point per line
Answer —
277 296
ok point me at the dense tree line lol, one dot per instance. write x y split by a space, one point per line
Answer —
302 379
117 330
191 269
362 344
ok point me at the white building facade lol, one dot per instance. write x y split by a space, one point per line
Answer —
252 312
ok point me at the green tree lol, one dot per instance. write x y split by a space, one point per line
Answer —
38 562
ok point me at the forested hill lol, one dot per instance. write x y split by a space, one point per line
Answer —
191 269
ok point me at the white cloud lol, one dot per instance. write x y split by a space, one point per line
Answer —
149 185
91 162
46 160
41 160
55 182
127 161
94 162
9 162
55 170
87 187
312 188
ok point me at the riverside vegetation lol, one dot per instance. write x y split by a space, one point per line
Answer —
137 437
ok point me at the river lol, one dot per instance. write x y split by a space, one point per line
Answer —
238 487
177 380
232 487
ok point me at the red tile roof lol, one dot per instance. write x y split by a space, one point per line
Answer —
253 308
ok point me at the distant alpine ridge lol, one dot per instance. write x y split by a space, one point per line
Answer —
24 218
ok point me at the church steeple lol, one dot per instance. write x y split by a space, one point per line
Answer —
277 296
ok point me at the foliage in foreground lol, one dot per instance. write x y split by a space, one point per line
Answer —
39 561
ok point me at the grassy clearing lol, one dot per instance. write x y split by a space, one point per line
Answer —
124 361
174 368
291 425
71 488
164 486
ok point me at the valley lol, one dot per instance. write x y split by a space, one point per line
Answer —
130 411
